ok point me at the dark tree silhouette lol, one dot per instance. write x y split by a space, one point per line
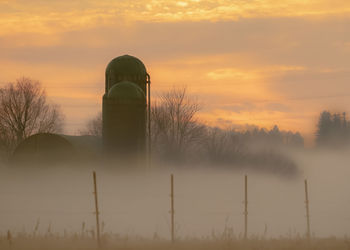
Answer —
93 126
24 111
275 135
324 128
217 144
332 130
174 125
293 139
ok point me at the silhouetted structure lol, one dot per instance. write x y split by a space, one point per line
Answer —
47 148
124 106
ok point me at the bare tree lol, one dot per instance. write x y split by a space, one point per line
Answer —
24 111
217 144
174 125
93 126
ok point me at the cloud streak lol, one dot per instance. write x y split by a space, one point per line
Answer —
49 17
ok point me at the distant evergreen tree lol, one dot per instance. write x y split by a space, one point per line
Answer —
297 140
275 136
293 139
332 130
324 128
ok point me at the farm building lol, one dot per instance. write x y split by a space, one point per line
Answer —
124 118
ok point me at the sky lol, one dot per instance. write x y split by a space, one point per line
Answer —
248 62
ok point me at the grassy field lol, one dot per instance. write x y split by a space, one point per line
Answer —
56 242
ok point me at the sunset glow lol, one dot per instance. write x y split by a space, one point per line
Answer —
249 62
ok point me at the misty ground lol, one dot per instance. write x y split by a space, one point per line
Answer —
188 244
48 206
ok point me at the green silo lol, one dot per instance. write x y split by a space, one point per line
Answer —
124 106
127 68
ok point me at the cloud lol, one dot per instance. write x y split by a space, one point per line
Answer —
234 73
316 85
277 107
254 107
243 107
49 17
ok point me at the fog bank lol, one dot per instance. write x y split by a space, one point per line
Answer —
206 200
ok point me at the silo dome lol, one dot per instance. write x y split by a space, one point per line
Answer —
128 68
126 92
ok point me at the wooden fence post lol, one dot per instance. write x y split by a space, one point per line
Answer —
172 211
308 233
245 207
96 211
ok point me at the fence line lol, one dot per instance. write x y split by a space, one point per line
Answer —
172 209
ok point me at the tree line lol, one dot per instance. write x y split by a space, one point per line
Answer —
177 134
333 130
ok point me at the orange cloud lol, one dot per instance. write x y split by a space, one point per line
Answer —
49 17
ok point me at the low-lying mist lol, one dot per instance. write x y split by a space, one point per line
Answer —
208 200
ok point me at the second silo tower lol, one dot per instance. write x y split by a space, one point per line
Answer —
124 110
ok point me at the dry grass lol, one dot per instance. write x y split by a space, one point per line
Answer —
112 241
